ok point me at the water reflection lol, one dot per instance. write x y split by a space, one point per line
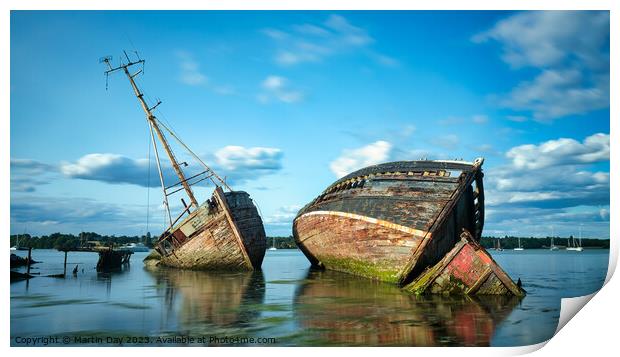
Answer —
210 298
345 310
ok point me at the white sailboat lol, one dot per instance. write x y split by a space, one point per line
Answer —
553 246
17 246
574 246
519 247
273 244
499 245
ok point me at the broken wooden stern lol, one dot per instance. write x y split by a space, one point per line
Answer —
466 269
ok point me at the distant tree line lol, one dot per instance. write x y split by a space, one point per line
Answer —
282 242
67 241
510 242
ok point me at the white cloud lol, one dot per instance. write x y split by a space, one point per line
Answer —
192 75
448 141
273 82
236 163
350 34
551 175
275 34
480 119
43 215
563 151
314 42
537 222
548 38
27 174
517 118
278 88
310 29
353 159
242 158
557 93
571 50
110 168
283 216
190 70
32 167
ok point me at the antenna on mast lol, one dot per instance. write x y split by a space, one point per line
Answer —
106 60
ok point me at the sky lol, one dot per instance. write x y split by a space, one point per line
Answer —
283 103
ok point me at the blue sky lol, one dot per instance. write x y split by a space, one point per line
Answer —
283 103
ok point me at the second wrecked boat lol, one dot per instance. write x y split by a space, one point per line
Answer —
393 221
225 232
405 222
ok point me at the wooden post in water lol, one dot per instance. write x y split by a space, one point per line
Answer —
65 272
29 260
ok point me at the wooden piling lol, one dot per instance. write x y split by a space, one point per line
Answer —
29 260
65 267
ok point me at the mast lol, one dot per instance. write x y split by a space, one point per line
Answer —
552 233
151 119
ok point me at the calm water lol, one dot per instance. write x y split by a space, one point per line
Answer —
293 304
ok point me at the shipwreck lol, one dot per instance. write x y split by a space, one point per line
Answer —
223 233
395 221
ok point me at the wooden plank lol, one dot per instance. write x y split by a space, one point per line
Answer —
436 225
219 194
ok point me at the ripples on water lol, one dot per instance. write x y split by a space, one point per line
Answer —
294 304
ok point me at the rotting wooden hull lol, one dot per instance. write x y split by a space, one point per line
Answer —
391 221
466 269
358 244
225 233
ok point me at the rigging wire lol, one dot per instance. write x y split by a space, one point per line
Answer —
196 157
148 187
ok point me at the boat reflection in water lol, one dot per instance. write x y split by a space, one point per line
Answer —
342 309
208 299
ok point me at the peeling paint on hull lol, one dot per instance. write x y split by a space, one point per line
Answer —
394 221
225 233
358 244
466 269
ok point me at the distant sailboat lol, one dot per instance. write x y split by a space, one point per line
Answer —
273 244
499 245
17 246
553 247
519 247
574 246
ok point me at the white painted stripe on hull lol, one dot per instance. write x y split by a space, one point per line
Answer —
405 229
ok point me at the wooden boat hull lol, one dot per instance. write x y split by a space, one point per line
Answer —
225 233
466 269
357 244
391 221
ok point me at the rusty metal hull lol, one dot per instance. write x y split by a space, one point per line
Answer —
466 269
391 221
225 233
